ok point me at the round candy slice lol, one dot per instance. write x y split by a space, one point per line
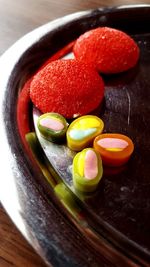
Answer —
115 149
87 170
52 126
82 131
68 87
107 49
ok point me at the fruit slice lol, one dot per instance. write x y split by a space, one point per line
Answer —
115 149
87 170
108 50
82 131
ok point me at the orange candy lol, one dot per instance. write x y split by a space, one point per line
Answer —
115 149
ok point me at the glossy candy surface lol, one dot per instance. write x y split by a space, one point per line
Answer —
52 126
87 170
107 49
115 149
82 131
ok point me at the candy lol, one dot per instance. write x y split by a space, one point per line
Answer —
68 87
115 149
87 170
107 49
52 126
37 152
82 131
67 199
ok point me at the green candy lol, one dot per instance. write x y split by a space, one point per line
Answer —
52 126
43 164
87 170
68 200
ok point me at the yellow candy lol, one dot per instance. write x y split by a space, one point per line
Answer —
87 170
82 131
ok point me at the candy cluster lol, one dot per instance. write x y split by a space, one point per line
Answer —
85 136
66 89
74 87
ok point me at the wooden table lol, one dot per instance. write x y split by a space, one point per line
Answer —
17 17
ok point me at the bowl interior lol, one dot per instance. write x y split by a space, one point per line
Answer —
119 211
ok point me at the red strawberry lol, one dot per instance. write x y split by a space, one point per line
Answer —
67 87
109 50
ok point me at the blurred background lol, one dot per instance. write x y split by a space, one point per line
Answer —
17 17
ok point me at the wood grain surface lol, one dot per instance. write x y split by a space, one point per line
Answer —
17 17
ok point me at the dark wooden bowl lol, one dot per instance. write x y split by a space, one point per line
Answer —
120 236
